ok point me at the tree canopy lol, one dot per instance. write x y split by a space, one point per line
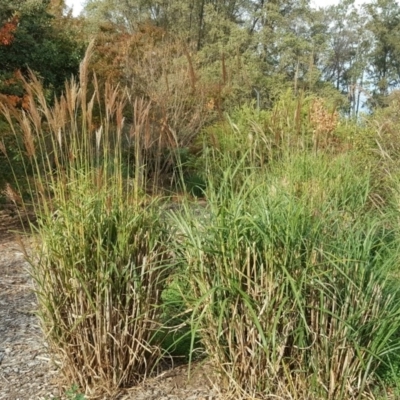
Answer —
37 36
250 48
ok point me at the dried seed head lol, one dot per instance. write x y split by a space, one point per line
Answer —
28 137
12 195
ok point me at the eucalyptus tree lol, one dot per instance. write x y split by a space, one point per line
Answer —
188 18
289 38
384 63
345 59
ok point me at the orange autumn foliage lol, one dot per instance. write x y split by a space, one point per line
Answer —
16 101
7 31
13 100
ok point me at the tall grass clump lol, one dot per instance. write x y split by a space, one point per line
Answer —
99 264
258 138
290 278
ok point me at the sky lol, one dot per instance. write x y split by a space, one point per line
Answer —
76 5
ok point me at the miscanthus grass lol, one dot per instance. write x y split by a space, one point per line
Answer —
100 262
290 279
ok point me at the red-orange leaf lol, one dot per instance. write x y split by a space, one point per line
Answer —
7 31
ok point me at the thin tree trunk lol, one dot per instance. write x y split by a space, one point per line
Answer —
201 21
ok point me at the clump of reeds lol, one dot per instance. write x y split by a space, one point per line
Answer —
258 138
291 284
99 266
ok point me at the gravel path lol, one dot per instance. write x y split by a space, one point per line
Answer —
25 369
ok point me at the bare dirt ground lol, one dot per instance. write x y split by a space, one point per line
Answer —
26 371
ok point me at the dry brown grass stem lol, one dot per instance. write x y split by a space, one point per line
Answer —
3 148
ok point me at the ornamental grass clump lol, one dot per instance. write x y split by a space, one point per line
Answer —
292 299
99 274
100 263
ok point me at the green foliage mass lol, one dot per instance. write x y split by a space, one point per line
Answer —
40 46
